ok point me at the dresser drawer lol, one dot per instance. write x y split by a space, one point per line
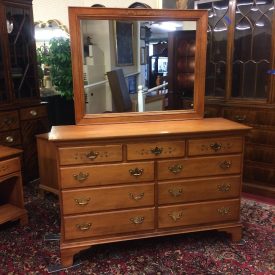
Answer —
33 112
90 154
9 166
198 213
199 189
9 121
10 138
92 175
165 149
197 167
107 198
92 225
214 146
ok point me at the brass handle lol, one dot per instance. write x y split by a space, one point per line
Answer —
156 151
216 146
136 197
175 169
175 192
33 112
176 215
84 226
92 155
9 139
226 164
224 211
225 187
8 121
136 172
82 201
240 118
81 176
137 220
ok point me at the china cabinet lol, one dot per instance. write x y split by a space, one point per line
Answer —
240 80
22 115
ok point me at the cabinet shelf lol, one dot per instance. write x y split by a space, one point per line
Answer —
10 212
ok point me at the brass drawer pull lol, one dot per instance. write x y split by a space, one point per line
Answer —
226 164
8 121
33 112
136 172
9 139
175 192
240 118
92 155
224 187
224 211
176 215
136 197
137 220
175 169
81 176
82 201
84 226
156 151
216 146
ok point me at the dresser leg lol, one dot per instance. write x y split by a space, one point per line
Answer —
24 219
67 258
235 232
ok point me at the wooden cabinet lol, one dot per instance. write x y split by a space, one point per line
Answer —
240 83
22 115
116 185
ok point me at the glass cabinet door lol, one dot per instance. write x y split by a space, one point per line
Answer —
4 93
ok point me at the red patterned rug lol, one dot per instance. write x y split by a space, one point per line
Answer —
23 250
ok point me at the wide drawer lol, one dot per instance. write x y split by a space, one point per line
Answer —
90 154
10 138
196 167
107 198
92 175
9 120
33 112
151 150
92 225
214 146
9 166
198 213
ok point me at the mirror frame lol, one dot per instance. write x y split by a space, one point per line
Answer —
76 14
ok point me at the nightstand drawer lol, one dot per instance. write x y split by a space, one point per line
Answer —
9 121
10 138
199 189
215 146
90 154
152 150
92 175
107 198
197 167
9 166
198 213
33 112
92 225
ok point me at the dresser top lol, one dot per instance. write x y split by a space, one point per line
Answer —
147 129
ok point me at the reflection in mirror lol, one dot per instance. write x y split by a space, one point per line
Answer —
137 66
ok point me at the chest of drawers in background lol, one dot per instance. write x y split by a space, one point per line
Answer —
144 185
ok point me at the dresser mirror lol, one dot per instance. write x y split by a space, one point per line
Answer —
132 65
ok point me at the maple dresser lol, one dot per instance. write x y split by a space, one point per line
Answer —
139 180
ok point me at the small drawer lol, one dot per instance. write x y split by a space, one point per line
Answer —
10 138
107 198
215 146
82 176
93 225
197 167
198 213
33 112
9 121
90 154
9 166
199 189
152 150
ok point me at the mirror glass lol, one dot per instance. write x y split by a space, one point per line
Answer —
137 64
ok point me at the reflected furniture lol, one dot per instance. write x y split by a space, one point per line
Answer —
22 115
240 85
11 190
128 175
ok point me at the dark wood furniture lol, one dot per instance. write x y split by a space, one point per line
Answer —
239 82
22 115
11 190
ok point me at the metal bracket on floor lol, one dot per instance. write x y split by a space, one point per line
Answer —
52 237
59 267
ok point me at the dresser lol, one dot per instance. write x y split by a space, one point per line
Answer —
140 180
